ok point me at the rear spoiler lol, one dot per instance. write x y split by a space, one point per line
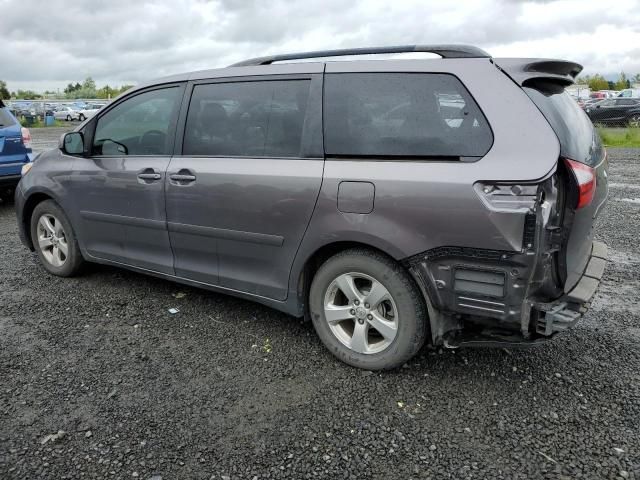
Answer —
524 70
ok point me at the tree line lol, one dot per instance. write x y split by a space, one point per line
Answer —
598 82
86 89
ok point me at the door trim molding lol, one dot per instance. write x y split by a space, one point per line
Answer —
225 234
123 220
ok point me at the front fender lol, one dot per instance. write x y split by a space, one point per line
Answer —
47 179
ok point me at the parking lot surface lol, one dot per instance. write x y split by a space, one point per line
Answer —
99 380
45 138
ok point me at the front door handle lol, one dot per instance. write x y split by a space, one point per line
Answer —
149 176
183 177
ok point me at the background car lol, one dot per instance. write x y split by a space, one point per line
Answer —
615 112
89 111
629 93
65 113
600 94
15 151
588 103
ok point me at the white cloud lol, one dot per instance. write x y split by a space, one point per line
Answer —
48 44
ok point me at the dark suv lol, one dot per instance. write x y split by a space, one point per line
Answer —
615 112
394 201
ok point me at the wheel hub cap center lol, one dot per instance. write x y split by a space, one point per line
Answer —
361 313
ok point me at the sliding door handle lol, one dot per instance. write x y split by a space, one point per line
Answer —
179 177
184 176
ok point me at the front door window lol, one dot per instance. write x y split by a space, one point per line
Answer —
138 126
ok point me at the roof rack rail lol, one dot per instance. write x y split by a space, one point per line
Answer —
445 51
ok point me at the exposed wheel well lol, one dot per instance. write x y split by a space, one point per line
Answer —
27 211
317 259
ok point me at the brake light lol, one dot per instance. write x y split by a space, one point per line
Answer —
26 137
585 178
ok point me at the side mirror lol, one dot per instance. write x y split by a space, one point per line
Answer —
72 143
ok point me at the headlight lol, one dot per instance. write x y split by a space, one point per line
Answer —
25 168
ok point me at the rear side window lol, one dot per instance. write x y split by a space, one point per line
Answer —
402 115
578 139
6 118
247 119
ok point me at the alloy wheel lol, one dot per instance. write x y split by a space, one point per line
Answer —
634 121
361 313
52 240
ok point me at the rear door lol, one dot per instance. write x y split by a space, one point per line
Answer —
242 191
118 190
579 141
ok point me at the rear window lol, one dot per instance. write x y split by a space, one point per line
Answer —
402 115
578 139
6 118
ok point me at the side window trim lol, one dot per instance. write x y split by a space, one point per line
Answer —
312 136
90 128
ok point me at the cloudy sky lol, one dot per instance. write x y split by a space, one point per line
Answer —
48 43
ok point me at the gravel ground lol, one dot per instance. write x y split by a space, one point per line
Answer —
45 138
226 389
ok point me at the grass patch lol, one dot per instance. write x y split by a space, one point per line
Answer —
620 137
41 124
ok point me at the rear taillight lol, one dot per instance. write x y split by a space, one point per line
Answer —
26 137
585 178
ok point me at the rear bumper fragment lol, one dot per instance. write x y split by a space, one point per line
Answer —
588 284
566 312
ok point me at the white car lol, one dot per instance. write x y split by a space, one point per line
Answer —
65 113
629 93
89 111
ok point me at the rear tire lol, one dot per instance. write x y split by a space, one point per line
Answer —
55 241
68 118
81 117
634 121
367 310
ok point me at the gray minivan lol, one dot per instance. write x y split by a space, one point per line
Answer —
391 201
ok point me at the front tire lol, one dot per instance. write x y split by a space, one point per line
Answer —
54 240
367 310
68 118
82 117
634 121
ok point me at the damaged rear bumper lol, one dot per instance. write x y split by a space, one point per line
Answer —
565 312
479 297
